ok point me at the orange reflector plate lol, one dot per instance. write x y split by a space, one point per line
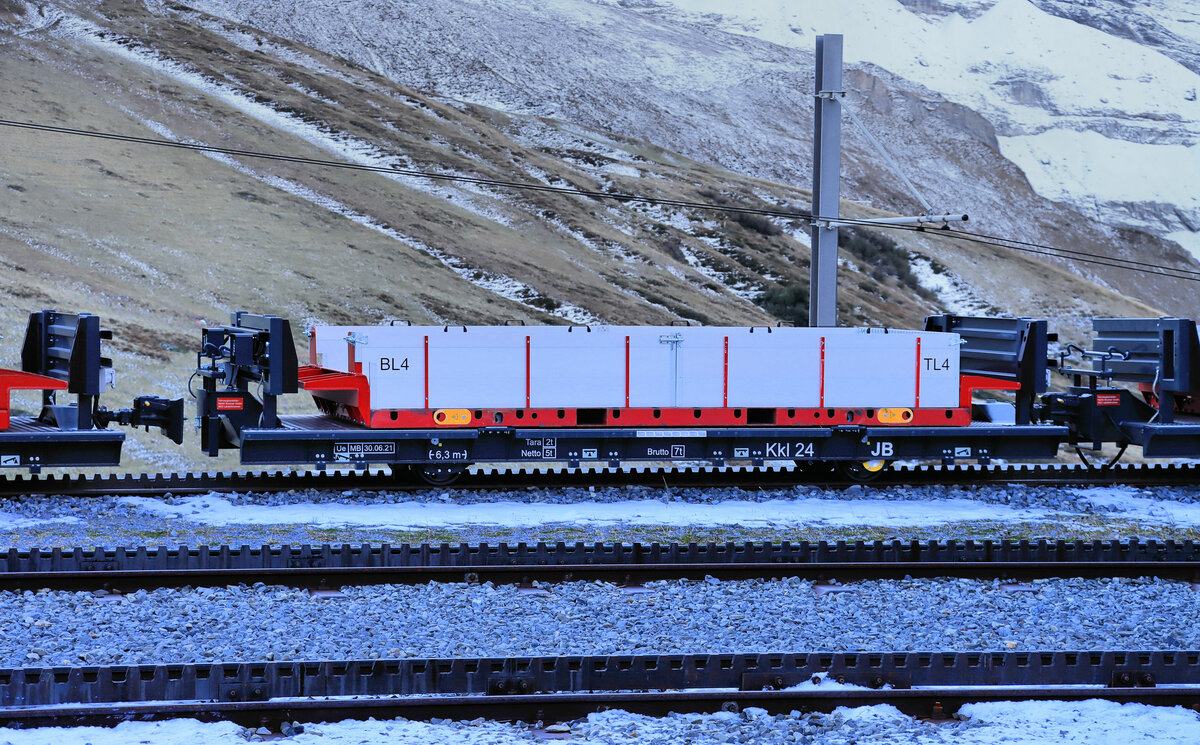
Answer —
452 416
895 416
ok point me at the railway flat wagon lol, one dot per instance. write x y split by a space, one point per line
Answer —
62 357
437 399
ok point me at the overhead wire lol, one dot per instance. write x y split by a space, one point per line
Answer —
397 170
978 238
1044 250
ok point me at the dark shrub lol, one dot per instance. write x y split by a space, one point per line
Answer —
787 303
757 223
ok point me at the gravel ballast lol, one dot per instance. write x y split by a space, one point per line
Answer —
457 620
1066 513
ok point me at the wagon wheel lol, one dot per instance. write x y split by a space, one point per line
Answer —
862 471
436 475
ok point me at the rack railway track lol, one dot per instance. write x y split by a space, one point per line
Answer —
550 689
329 567
96 485
926 684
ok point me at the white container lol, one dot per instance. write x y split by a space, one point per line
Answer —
513 367
576 367
769 365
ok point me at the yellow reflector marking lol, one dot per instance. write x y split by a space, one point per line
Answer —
452 416
894 416
874 465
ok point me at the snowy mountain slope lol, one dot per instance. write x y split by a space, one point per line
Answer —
726 84
1041 74
1170 26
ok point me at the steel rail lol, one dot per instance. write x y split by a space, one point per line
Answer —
124 570
97 485
929 684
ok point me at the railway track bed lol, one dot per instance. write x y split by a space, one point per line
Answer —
333 566
643 514
922 684
275 696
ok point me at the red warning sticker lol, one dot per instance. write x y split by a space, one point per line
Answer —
1108 399
229 404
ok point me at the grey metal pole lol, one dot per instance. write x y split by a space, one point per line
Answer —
827 170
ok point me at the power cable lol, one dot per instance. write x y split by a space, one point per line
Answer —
995 241
397 170
1036 248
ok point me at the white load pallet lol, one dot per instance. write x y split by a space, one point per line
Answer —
513 367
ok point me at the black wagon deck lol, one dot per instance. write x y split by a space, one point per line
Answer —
318 440
29 443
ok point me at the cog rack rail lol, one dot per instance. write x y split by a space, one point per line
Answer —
1055 474
327 566
931 684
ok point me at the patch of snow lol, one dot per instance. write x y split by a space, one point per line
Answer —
954 295
259 44
214 509
169 732
35 19
499 284
712 274
801 236
1129 502
1094 721
879 713
674 217
1190 240
609 249
1087 169
824 682
340 144
17 521
744 289
621 169
192 732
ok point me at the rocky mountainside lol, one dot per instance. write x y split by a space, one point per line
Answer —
1001 108
573 93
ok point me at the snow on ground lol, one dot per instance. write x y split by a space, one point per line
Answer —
213 509
743 289
1064 165
801 236
1126 499
1188 239
343 146
1083 70
1095 722
955 295
15 521
621 169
